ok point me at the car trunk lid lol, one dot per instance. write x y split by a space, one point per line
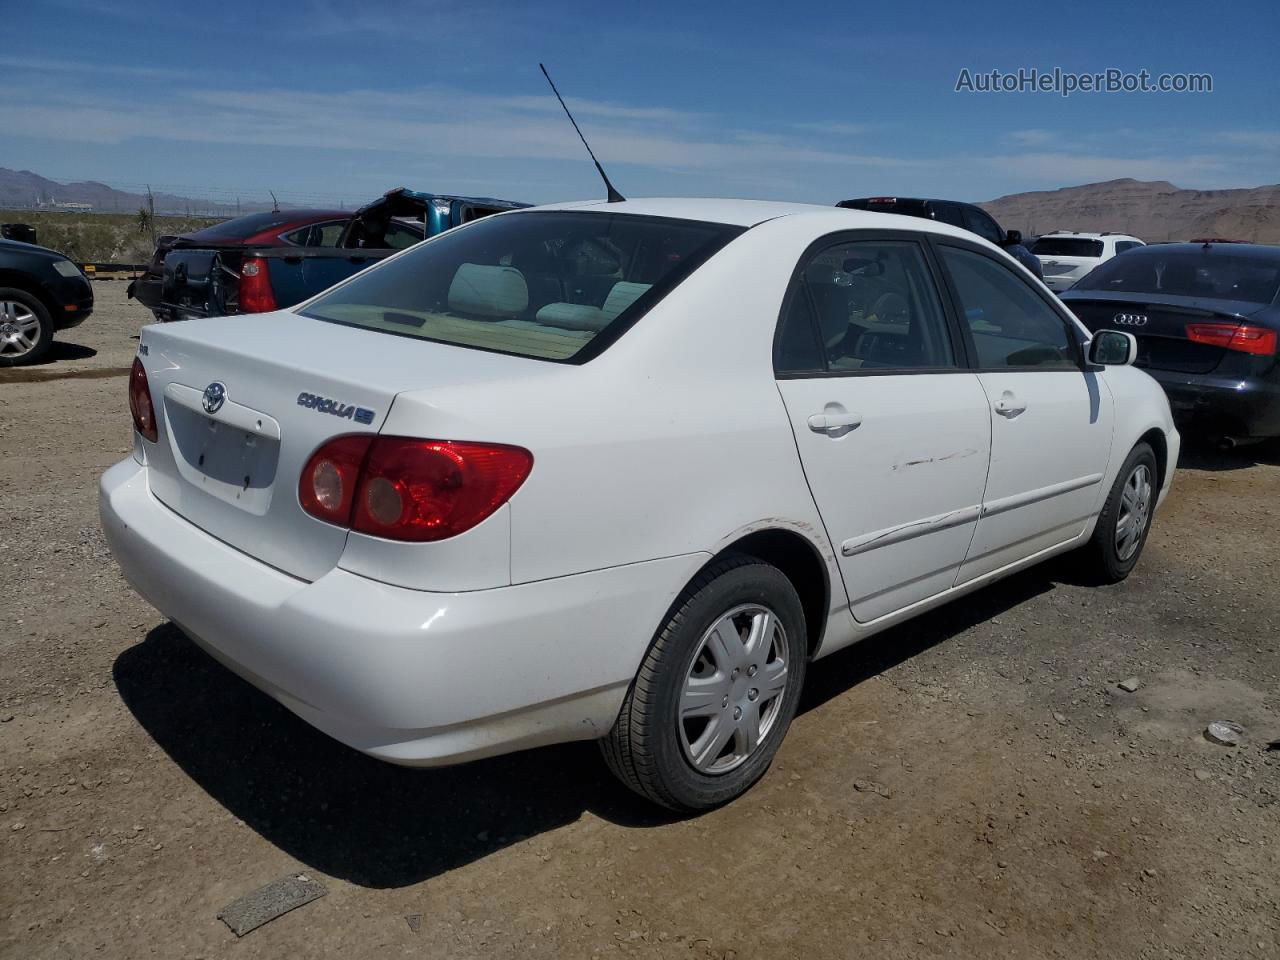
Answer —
1160 326
1065 267
244 401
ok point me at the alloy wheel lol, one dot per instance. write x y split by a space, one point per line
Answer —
19 329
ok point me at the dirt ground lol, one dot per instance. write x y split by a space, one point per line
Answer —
972 784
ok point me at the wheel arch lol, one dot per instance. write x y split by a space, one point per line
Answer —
1159 444
800 561
20 280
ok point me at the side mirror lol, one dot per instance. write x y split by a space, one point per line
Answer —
1012 238
1113 348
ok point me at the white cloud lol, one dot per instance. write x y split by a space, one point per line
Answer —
1031 138
36 64
834 129
1259 139
435 121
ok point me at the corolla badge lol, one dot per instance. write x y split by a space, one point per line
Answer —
215 394
348 411
1130 319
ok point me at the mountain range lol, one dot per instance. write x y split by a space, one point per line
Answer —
24 190
1150 210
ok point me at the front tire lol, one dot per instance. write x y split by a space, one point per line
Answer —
26 329
716 691
1125 519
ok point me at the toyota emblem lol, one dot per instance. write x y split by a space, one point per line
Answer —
215 394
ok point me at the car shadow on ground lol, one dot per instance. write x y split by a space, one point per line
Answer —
61 350
377 825
1200 454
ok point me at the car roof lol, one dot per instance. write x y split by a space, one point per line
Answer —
750 213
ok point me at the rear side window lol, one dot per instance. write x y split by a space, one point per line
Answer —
1123 245
543 285
1067 247
976 221
317 235
1010 325
951 213
863 306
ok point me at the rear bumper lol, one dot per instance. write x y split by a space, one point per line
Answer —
1239 407
408 676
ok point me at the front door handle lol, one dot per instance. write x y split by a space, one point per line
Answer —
1009 405
834 424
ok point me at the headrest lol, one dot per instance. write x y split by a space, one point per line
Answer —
623 295
572 316
488 291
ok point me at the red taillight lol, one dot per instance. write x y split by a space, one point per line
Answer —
1242 337
327 487
144 414
255 287
406 489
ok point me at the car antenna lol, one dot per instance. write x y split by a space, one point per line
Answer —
275 204
614 195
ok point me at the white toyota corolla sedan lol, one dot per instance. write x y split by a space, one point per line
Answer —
620 471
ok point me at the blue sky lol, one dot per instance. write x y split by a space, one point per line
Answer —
324 101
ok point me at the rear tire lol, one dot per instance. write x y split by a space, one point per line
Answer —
716 691
1125 520
26 329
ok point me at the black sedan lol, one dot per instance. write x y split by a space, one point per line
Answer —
1206 318
41 292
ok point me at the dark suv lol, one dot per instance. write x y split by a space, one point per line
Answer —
966 216
41 291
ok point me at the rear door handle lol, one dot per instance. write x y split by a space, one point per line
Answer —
1009 405
834 423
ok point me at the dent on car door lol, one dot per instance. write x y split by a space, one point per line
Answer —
1051 420
893 433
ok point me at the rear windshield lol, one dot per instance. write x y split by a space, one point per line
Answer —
1206 274
543 285
242 227
1067 247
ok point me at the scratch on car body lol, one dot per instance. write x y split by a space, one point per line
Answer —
968 452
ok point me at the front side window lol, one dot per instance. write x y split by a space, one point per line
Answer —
1010 325
540 285
864 306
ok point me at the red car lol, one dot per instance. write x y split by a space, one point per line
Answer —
279 228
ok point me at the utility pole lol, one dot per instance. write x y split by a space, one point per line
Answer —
151 206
